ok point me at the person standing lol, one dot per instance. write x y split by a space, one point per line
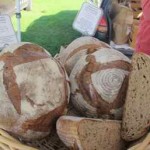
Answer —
143 37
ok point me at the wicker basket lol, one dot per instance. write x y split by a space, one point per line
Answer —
50 143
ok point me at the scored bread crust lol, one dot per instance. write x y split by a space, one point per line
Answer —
78 43
68 129
79 47
32 46
99 82
136 115
28 80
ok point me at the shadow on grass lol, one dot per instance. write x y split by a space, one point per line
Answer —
52 31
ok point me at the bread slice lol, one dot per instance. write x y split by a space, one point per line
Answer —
136 116
90 134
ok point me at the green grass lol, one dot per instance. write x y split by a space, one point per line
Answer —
49 24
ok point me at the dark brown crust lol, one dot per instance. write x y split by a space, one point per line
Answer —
94 99
28 53
23 54
91 48
13 91
44 123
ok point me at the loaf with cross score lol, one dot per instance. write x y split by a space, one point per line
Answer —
34 90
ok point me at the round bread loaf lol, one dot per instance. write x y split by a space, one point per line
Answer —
79 47
98 83
33 91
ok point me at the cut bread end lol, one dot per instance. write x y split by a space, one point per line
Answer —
136 116
90 134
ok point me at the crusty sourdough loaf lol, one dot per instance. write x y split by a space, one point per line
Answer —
90 134
79 47
33 90
99 82
136 116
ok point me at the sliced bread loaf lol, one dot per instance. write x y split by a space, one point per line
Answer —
136 116
90 134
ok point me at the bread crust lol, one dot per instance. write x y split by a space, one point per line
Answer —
91 86
79 47
31 101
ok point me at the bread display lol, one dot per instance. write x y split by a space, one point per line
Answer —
109 105
98 84
79 47
136 117
90 134
34 91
